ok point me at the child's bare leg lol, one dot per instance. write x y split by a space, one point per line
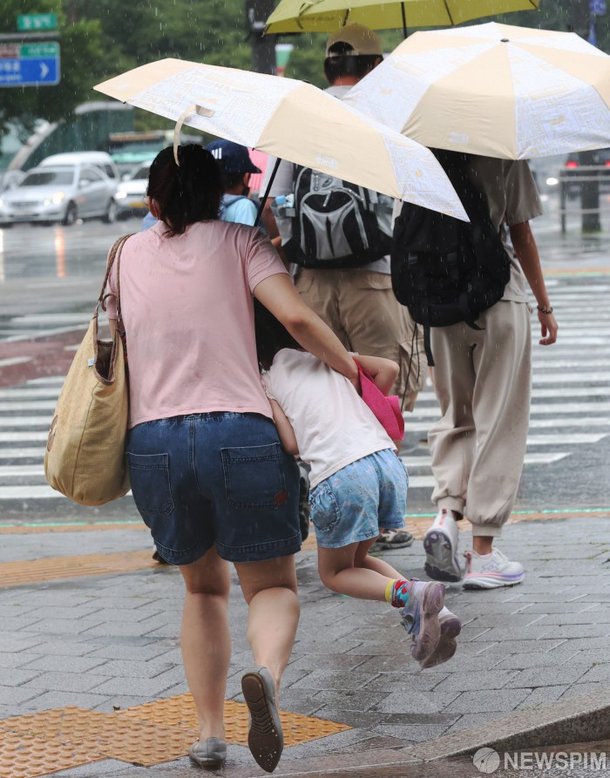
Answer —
339 571
363 559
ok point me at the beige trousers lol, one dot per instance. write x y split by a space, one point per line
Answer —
482 381
360 307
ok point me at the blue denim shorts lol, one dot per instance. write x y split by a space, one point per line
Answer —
215 478
359 500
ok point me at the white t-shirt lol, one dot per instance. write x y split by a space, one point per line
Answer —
332 424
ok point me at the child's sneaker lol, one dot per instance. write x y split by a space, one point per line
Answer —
392 538
490 571
420 617
441 547
451 627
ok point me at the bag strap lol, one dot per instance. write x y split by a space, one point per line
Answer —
113 255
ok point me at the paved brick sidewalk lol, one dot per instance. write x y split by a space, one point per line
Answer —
110 642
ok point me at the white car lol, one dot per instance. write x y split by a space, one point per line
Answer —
131 193
60 194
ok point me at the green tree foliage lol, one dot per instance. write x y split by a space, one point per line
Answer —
82 52
101 38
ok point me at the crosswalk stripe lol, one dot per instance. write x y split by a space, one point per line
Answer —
25 421
29 437
26 392
560 409
33 405
566 422
14 361
19 471
7 453
531 458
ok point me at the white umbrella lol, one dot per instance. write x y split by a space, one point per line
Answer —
292 120
493 89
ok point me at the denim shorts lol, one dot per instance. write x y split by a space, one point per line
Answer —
359 500
215 478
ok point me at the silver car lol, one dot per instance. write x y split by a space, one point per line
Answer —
131 193
60 194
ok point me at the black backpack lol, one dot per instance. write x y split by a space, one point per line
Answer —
336 224
445 270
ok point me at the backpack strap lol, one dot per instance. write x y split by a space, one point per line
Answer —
427 345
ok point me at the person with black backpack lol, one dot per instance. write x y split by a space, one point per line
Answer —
338 236
465 282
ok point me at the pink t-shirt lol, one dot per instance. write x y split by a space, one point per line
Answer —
188 314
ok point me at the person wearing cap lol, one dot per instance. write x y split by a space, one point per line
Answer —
358 303
236 168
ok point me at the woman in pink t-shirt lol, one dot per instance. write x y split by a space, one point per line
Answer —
208 473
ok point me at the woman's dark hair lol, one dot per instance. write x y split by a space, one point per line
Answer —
271 336
342 63
187 193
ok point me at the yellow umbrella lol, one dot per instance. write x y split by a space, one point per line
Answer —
292 120
493 89
328 15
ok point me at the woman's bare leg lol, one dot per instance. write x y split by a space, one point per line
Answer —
270 589
206 639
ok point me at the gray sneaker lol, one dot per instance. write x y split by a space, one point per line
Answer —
265 738
209 754
420 617
451 627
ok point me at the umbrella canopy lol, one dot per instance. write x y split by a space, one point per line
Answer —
292 120
328 15
493 89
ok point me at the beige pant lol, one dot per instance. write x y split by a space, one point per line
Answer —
360 307
482 381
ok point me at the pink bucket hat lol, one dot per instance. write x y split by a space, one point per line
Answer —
385 407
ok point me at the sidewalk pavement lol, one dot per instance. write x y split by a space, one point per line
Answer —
91 681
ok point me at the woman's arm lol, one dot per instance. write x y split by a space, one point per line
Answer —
284 429
384 372
527 253
278 295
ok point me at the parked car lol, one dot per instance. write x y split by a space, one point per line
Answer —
131 193
98 158
573 172
59 194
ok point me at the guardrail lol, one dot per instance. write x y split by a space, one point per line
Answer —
588 178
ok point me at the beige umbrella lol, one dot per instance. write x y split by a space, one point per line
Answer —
493 89
292 120
328 15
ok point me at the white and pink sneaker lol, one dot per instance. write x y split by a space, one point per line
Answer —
490 571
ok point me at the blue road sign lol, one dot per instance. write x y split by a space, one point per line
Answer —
33 64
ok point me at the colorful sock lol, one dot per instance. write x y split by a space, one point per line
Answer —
397 592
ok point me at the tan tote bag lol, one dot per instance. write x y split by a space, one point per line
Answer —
85 454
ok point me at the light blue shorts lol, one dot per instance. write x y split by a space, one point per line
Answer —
359 500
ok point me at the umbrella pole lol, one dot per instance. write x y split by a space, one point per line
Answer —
265 197
404 19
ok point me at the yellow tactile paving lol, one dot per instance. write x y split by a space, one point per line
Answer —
60 567
50 741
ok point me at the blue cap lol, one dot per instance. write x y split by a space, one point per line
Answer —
232 157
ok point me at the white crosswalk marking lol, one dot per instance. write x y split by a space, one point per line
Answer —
570 395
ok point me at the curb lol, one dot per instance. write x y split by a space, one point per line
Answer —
582 718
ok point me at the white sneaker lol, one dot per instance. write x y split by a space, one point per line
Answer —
490 571
441 547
